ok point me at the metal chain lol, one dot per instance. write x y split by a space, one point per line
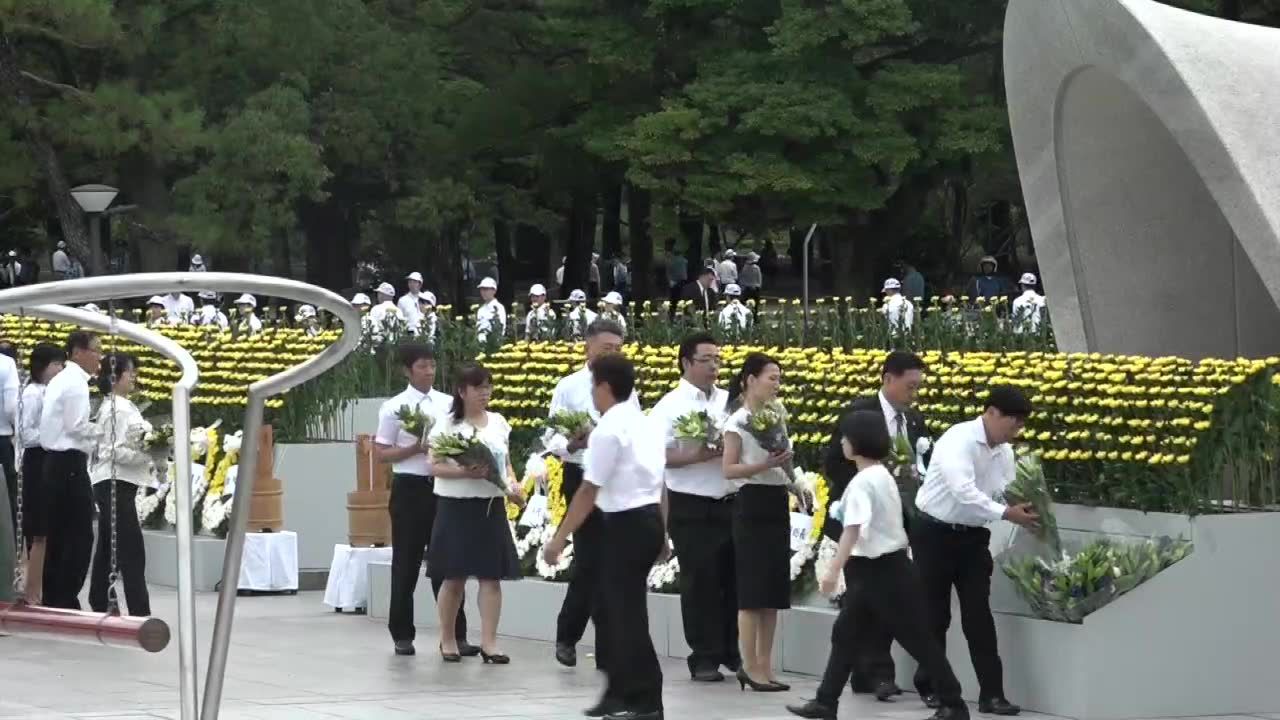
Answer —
113 599
20 539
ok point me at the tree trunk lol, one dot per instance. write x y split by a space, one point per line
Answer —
451 246
691 228
638 208
281 262
611 230
580 235
715 241
330 233
795 250
506 261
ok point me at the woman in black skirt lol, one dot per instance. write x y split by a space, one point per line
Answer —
47 360
471 537
761 521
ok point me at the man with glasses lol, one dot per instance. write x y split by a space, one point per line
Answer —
699 503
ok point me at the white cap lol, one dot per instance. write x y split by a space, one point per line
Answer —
305 312
732 289
891 284
730 253
753 257
13 253
577 296
613 298
91 308
386 289
360 299
156 300
428 297
488 283
537 289
415 275
247 299
197 260
1027 279
208 295
62 244
595 256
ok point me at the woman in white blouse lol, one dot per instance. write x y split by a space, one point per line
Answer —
761 522
47 360
119 461
471 537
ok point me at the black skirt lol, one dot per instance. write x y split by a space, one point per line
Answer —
471 539
762 547
35 505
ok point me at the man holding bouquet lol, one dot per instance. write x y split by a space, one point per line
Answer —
403 424
572 399
870 664
700 509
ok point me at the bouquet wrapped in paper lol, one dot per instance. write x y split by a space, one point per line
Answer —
468 450
570 423
698 427
415 422
768 426
1030 487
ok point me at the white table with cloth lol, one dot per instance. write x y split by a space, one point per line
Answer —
270 562
348 586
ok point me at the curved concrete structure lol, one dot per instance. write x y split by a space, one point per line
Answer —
1148 145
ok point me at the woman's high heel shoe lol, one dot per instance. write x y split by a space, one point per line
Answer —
449 657
745 680
782 687
496 658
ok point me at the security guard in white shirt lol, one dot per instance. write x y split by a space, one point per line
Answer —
540 323
579 317
734 316
971 466
491 318
624 469
408 303
700 514
1028 308
897 309
413 498
882 588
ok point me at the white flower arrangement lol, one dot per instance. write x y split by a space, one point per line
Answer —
553 572
529 542
826 554
199 484
799 559
664 577
148 503
923 446
215 514
232 442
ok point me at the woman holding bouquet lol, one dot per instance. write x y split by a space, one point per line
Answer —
471 538
761 517
119 461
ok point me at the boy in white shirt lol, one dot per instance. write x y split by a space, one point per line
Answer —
882 585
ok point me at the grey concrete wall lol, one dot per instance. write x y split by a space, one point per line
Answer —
316 479
161 547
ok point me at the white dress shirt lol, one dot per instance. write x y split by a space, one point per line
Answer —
573 393
250 322
704 478
626 455
496 434
32 401
385 315
727 272
211 316
64 417
9 388
873 502
735 316
965 476
491 317
900 313
178 307
616 317
580 318
539 316
409 308
132 463
752 452
434 404
1028 308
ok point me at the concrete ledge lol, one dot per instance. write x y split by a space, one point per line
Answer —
207 553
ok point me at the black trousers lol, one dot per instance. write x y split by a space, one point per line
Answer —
413 514
960 557
580 597
7 462
130 553
69 544
872 659
701 528
885 592
632 540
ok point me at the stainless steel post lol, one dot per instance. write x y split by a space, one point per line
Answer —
804 336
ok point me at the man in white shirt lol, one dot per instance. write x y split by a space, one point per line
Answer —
8 421
1028 308
61 262
491 317
210 315
882 588
178 306
734 316
897 309
386 316
67 435
700 514
540 323
579 317
408 302
158 313
246 321
971 465
413 500
727 270
573 393
624 469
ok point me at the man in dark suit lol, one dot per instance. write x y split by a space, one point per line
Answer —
700 294
871 667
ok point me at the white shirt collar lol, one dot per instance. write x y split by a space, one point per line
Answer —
979 430
689 388
886 406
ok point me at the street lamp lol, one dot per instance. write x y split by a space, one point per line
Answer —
94 200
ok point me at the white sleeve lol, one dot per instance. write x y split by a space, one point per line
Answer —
856 504
958 476
556 443
388 427
602 453
11 393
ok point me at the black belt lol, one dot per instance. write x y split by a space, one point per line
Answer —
728 497
950 527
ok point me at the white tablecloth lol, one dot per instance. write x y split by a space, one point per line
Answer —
270 562
348 587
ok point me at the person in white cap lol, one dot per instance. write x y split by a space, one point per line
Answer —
491 317
362 304
209 314
540 323
197 264
579 316
428 321
179 305
897 309
90 307
751 278
987 284
1028 308
408 302
727 270
157 314
307 319
611 308
61 262
734 316
246 320
386 314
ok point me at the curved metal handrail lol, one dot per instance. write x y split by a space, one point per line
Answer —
142 284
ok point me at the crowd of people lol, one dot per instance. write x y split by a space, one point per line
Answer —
636 490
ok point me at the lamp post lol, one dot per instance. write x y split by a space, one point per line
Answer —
94 201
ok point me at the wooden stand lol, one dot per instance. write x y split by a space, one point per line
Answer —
266 507
368 522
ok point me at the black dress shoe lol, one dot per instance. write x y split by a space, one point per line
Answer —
466 649
635 715
885 691
930 701
813 709
957 712
997 706
606 706
566 655
405 647
707 675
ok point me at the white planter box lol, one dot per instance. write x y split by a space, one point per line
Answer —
207 553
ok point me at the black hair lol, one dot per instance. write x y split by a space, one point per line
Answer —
706 271
79 340
600 326
8 348
42 356
867 434
752 366
900 362
689 347
616 371
410 353
1008 401
472 375
108 375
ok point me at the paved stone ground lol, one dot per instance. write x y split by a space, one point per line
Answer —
294 659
